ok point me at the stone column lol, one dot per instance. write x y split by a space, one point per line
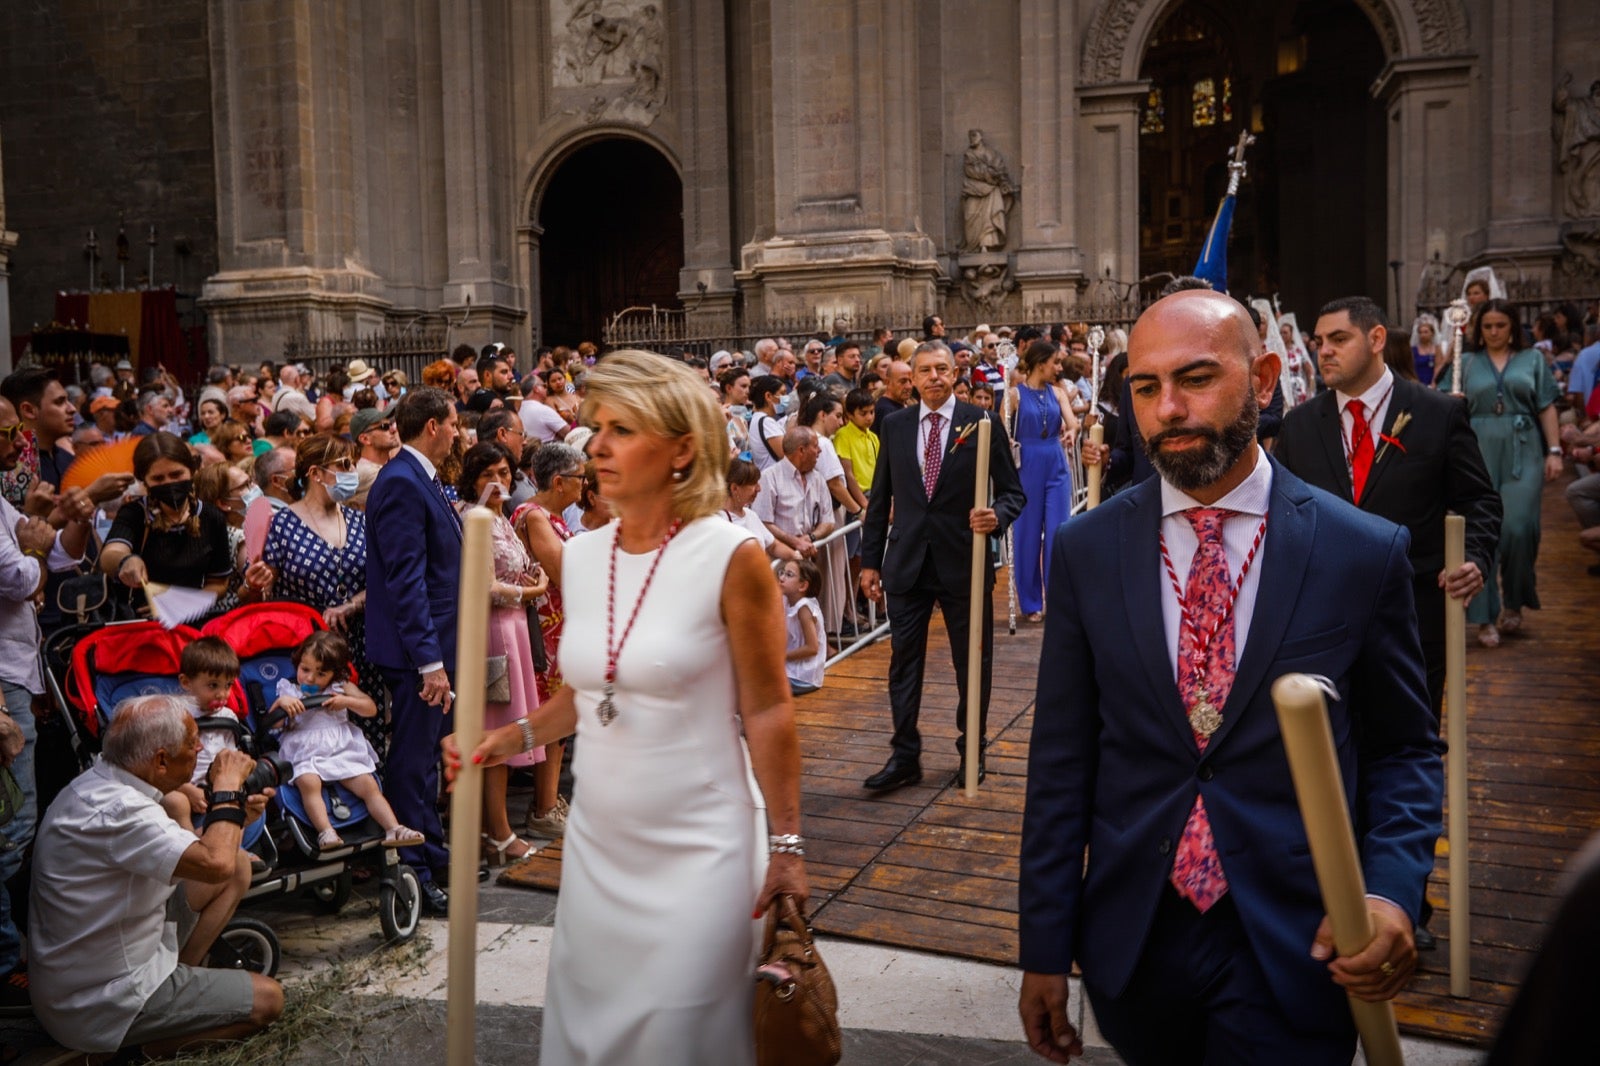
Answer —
1428 102
1049 267
1108 179
290 194
473 38
8 241
844 164
706 284
1517 167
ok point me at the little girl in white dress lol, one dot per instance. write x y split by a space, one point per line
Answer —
324 745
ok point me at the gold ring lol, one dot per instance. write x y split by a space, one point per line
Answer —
1387 969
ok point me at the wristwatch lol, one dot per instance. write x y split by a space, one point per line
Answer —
1555 449
227 797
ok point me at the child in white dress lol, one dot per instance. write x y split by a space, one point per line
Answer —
324 745
799 579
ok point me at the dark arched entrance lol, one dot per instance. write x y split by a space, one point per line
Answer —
1310 222
612 216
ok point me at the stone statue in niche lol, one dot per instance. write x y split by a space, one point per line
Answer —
986 196
611 42
1578 151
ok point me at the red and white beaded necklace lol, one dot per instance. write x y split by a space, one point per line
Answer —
607 711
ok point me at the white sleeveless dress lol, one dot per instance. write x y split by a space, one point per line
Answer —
654 951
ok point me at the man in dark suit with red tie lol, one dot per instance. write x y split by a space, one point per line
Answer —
1197 922
927 470
1401 450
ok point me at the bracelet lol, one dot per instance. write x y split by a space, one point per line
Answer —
786 844
1555 449
34 553
229 815
126 559
527 734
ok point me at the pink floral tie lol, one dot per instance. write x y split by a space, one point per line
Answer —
1197 871
932 455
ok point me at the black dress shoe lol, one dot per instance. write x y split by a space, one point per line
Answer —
435 900
1425 940
895 774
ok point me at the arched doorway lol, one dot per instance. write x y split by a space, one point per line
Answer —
612 221
1310 223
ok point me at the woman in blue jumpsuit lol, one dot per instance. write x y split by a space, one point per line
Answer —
1043 426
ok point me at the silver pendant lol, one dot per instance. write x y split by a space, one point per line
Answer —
607 711
1204 718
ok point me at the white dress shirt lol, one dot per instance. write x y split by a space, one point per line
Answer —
1376 401
1249 500
948 413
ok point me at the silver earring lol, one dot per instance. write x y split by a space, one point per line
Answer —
677 475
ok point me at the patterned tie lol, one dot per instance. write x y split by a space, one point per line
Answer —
448 505
1197 870
932 454
1360 449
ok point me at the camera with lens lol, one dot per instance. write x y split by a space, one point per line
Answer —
270 772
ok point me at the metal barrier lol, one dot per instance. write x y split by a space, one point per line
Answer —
875 630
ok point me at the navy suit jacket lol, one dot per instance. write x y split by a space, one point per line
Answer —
940 524
413 569
1113 767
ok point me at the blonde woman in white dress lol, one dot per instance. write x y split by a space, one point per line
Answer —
673 652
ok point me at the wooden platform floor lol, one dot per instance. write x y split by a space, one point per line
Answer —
929 869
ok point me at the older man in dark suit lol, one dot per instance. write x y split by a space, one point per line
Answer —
1199 928
413 582
927 470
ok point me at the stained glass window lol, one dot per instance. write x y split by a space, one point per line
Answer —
1227 99
1205 102
1155 114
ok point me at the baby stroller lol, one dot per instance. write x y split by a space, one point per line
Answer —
98 668
264 636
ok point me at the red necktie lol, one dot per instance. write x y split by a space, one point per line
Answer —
1360 449
1197 870
932 455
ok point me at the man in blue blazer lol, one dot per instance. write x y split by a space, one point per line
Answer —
1224 956
413 581
925 557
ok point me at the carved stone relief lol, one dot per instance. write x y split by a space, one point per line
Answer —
616 51
1441 30
986 281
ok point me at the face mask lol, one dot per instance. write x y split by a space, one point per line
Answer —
345 485
250 495
784 404
174 494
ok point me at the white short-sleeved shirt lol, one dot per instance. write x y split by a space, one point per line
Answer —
749 520
828 464
541 421
806 671
104 865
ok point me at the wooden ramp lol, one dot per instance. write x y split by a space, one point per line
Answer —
928 869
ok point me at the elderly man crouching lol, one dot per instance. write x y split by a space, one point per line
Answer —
115 951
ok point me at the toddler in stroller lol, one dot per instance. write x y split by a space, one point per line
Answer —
207 670
324 745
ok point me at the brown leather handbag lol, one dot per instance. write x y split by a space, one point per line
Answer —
797 1009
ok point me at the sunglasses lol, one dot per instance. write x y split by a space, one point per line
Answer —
11 432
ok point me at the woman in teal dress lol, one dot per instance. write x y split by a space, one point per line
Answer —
1511 396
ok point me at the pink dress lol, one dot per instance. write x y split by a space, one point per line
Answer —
551 614
508 636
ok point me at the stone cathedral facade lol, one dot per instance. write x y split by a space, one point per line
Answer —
524 168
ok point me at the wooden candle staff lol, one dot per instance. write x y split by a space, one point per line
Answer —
1092 472
980 559
1455 702
1314 766
466 801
